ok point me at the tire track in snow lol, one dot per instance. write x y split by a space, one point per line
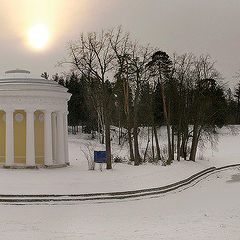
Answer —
72 199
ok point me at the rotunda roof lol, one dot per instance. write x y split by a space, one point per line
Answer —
22 80
21 90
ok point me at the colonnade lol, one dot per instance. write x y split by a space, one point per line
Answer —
55 137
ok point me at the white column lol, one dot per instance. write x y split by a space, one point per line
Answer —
60 139
54 136
66 138
30 141
48 138
9 138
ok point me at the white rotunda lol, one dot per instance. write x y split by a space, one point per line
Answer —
33 121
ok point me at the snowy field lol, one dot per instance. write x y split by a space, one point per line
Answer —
77 178
208 210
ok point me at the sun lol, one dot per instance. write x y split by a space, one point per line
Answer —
38 36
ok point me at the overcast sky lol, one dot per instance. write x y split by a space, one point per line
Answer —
198 26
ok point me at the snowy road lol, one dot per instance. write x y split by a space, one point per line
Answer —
209 210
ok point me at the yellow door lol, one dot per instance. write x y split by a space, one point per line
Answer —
19 127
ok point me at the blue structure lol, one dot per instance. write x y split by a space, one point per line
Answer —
100 156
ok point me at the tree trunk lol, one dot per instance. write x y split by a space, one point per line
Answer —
119 132
153 152
137 159
172 142
184 143
166 121
108 142
127 112
157 143
194 143
178 144
130 144
107 125
102 137
145 153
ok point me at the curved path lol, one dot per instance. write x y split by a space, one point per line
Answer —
50 199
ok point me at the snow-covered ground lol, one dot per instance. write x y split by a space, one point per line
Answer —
77 178
208 210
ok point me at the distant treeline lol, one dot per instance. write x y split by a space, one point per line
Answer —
117 81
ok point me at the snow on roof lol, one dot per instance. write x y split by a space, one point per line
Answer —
17 71
24 80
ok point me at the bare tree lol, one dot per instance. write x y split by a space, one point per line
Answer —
182 74
120 43
92 56
132 61
205 90
138 75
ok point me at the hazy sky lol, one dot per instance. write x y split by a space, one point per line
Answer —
198 26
